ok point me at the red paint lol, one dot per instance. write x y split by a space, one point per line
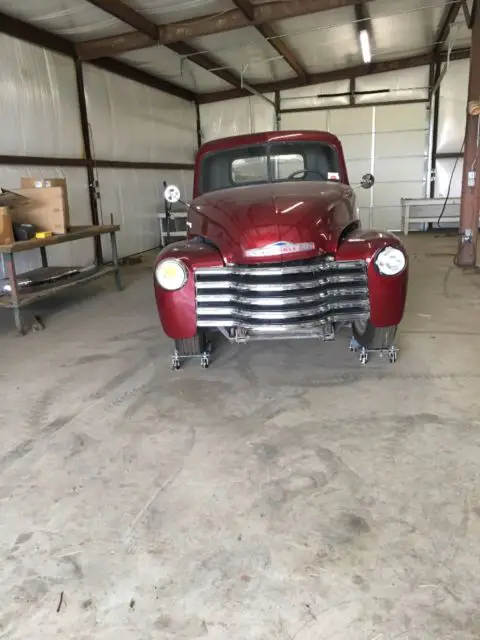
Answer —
241 218
177 309
250 217
387 293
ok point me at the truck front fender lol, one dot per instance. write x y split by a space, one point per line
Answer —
177 309
387 294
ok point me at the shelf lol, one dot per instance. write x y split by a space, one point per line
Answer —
44 291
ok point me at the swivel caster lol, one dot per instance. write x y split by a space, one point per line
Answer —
363 356
354 345
175 362
392 355
205 361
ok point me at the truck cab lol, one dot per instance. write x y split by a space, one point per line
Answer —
275 249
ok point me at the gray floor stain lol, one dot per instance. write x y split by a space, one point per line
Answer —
285 493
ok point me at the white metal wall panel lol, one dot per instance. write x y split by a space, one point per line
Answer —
405 84
135 198
38 102
400 168
236 117
449 172
309 96
78 253
133 122
314 120
453 112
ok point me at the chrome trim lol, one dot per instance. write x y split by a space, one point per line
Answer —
284 314
282 298
256 270
279 328
279 301
280 286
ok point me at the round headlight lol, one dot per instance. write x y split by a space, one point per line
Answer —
171 274
391 261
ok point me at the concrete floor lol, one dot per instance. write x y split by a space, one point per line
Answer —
285 493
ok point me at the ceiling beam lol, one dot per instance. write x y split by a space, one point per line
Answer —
339 74
449 16
207 62
15 27
21 30
120 68
269 33
208 25
123 12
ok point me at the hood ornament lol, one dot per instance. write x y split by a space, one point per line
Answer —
280 248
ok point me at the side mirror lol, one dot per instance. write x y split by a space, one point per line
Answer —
172 194
367 181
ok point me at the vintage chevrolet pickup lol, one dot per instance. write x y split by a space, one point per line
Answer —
275 249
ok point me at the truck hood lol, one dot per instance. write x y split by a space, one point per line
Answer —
274 222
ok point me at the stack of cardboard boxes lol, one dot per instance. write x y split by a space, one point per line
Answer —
41 203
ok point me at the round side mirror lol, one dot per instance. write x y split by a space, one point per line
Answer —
367 181
172 194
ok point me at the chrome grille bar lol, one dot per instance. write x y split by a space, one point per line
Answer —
282 297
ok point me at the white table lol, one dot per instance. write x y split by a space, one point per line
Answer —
426 210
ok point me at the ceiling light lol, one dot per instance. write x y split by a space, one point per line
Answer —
365 45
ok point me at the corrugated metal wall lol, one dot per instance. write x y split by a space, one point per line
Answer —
40 117
451 128
234 117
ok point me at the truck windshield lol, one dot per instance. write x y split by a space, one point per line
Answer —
273 162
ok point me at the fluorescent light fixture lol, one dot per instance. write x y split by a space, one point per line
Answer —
365 46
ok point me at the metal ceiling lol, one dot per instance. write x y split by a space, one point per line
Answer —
290 43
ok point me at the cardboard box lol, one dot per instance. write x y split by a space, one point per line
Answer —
44 208
46 183
6 228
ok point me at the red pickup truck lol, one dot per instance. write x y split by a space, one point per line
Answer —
275 249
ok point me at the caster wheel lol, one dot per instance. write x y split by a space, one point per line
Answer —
205 365
175 363
363 358
392 357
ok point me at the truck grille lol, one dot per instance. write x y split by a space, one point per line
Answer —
282 297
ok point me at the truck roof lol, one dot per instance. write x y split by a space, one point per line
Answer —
269 136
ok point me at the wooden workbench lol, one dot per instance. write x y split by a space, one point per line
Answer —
18 299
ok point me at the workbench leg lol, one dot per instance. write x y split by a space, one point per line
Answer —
118 280
43 253
12 280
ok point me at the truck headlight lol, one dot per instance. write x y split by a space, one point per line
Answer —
390 261
171 274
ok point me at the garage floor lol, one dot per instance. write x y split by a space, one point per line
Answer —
284 493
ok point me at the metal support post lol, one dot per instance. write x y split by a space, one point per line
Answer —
113 241
43 253
12 280
92 192
278 114
470 204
